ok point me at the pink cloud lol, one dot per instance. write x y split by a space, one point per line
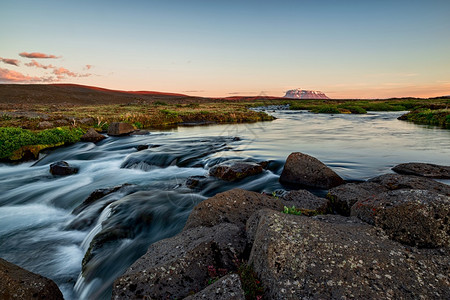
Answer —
88 67
10 61
37 55
34 63
62 73
13 76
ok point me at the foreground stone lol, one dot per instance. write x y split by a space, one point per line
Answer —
395 182
304 170
334 257
306 202
226 288
176 267
18 283
92 136
62 168
234 206
413 217
120 128
423 169
345 196
233 171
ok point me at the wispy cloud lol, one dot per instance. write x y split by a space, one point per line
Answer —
13 76
37 55
62 73
34 63
88 67
193 91
10 61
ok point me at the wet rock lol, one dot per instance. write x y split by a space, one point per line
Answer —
90 210
234 206
344 196
141 147
395 182
45 125
308 203
304 170
127 218
233 171
228 287
334 257
98 194
140 132
120 128
423 169
18 283
195 181
413 217
175 268
92 136
62 168
236 139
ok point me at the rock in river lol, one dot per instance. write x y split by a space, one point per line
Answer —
232 171
304 170
18 283
62 168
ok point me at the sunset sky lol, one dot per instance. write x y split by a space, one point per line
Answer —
346 49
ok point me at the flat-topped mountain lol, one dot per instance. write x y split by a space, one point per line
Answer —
304 94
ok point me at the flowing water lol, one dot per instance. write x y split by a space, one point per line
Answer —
39 232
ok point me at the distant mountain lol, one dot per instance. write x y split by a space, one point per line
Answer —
304 94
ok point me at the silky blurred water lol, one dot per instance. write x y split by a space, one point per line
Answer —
35 207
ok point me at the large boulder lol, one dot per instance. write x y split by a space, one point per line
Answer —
344 196
396 182
175 268
304 170
228 287
334 257
306 202
232 171
62 168
423 169
120 128
92 136
234 206
18 283
413 217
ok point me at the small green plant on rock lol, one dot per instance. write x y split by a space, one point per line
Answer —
292 210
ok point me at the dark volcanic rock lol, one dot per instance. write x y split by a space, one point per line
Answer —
120 128
62 168
334 257
176 267
92 136
195 181
141 147
228 287
96 195
307 202
304 170
234 206
18 283
344 196
413 217
396 182
422 169
232 171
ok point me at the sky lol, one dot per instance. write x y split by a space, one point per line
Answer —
344 48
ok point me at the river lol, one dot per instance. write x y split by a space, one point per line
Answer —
36 220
